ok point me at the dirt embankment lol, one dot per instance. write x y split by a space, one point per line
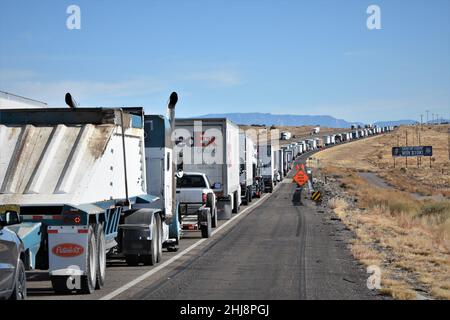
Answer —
406 236
375 155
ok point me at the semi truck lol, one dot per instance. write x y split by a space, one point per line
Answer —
78 179
285 135
211 146
246 161
279 161
267 158
288 159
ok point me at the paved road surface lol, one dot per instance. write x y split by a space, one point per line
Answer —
274 251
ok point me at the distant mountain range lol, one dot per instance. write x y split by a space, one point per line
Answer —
269 119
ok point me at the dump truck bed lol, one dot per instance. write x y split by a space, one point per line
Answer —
68 157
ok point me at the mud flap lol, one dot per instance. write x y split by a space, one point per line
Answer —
67 250
203 216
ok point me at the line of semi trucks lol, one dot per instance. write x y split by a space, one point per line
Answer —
92 184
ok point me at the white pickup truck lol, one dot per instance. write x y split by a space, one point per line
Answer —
197 203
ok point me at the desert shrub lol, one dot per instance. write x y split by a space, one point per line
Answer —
438 211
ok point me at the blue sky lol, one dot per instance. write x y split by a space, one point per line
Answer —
299 57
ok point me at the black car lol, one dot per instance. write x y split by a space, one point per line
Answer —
12 269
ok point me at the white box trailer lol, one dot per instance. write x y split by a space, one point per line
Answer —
333 139
285 135
211 146
312 144
266 156
246 161
327 140
296 150
288 159
299 148
279 160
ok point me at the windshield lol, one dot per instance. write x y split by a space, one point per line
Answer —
191 181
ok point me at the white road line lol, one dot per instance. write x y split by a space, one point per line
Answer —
149 273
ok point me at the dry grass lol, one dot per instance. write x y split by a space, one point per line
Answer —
374 154
408 238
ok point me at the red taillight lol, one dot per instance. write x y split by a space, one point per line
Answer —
52 231
77 219
204 198
83 231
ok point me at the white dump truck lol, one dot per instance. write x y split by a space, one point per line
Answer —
211 146
78 179
246 161
12 101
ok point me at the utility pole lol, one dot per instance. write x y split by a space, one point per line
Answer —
421 122
427 116
406 145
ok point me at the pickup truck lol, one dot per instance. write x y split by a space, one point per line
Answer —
197 200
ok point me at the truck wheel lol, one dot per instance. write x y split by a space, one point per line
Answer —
20 287
159 238
101 256
59 284
225 213
88 281
151 259
206 230
235 203
214 218
245 200
132 260
210 200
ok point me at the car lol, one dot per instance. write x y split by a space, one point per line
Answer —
12 255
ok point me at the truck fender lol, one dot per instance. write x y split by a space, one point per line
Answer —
142 218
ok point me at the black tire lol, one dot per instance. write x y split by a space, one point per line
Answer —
151 259
214 218
158 221
20 285
245 200
101 256
88 281
206 230
59 284
132 260
235 203
210 200
226 212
